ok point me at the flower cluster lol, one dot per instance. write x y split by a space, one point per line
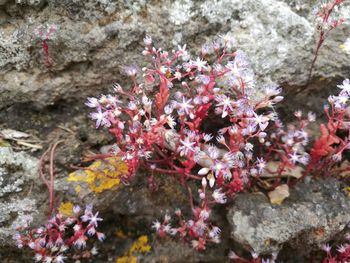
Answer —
54 242
167 132
328 149
246 145
255 258
327 21
342 253
198 230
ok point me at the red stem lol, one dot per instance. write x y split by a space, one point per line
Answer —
41 165
52 177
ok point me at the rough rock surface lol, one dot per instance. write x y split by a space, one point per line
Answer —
314 213
95 38
18 172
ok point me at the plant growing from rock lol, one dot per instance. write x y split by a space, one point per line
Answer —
248 148
329 148
45 33
212 124
325 24
254 258
65 234
61 237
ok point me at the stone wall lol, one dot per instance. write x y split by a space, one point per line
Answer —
95 38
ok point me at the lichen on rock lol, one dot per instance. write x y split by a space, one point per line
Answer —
100 176
312 215
17 172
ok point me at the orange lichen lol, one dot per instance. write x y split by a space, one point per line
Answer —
101 175
140 246
120 234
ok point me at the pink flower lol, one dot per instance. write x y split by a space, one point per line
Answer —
185 106
186 146
80 242
94 219
101 118
100 236
92 103
147 40
261 120
219 196
199 64
60 259
261 164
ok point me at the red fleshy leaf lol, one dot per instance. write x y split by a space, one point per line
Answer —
162 96
323 146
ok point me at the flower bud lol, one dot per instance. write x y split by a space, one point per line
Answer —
278 99
204 181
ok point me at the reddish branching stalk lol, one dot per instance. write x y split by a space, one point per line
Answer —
49 183
45 34
326 25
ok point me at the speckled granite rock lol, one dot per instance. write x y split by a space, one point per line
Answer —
314 213
177 252
95 38
18 172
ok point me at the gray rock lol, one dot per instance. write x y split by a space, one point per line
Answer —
18 172
95 38
176 251
313 214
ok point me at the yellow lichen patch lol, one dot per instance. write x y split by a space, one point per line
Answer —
101 175
78 188
127 259
140 246
347 190
66 208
